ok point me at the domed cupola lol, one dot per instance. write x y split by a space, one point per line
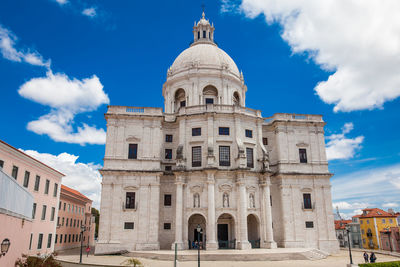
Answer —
203 74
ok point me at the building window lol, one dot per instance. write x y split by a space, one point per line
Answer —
303 155
309 224
62 221
73 238
65 204
168 153
55 191
223 130
204 34
61 239
26 179
132 151
307 201
49 240
37 183
59 206
249 133
367 221
196 131
167 226
55 239
74 222
44 212
40 240
1 164
130 200
129 225
66 223
34 211
390 220
14 172
168 168
196 156
183 103
224 156
65 238
168 138
249 156
209 100
69 238
198 35
383 221
53 213
167 200
265 141
46 187
361 221
30 242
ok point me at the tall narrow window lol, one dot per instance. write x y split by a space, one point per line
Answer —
249 133
198 35
183 103
265 141
1 164
224 156
14 172
61 238
167 200
204 34
49 240
30 242
307 201
40 240
196 131
56 191
168 153
196 156
44 212
26 179
46 187
65 204
55 239
168 138
250 158
130 200
132 151
37 183
53 213
303 155
34 211
223 130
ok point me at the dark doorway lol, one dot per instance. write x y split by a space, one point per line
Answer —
196 235
223 232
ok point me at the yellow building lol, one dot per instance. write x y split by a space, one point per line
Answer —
372 221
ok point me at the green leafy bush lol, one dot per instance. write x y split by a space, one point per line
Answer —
133 262
381 264
34 261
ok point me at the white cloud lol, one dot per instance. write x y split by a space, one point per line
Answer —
340 147
67 97
390 205
61 2
344 205
83 177
90 12
357 40
8 50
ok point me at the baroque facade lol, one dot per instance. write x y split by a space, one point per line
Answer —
208 160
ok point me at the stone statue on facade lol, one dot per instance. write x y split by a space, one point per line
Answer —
196 200
251 201
225 200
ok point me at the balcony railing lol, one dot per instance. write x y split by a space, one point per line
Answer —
293 117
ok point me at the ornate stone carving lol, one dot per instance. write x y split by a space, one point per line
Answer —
196 200
225 200
225 188
132 138
302 144
252 203
196 188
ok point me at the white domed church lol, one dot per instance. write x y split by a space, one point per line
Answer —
208 161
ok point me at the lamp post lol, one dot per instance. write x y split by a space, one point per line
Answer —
198 244
83 229
5 245
348 240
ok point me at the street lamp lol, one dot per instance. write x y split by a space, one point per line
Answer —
348 240
5 245
83 229
198 244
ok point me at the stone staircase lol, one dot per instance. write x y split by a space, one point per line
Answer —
315 254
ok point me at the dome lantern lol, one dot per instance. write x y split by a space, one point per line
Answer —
203 31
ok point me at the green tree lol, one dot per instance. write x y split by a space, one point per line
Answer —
96 214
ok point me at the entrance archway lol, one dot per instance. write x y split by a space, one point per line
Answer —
194 238
253 231
226 231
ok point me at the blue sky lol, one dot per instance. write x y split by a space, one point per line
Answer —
317 57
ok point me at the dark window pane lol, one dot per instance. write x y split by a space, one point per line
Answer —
168 153
224 156
37 183
55 192
168 168
34 211
26 179
309 224
1 164
223 130
198 35
53 212
307 201
130 200
303 155
30 242
14 172
49 240
196 156
196 131
132 151
249 156
265 141
209 100
46 187
204 34
55 239
168 138
183 104
40 240
167 200
129 225
44 212
167 226
249 133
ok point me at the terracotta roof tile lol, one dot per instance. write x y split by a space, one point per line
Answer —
375 212
75 192
341 224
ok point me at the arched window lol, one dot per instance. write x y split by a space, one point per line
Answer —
180 99
236 99
210 94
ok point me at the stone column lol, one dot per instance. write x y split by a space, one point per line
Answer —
267 215
178 212
243 242
211 233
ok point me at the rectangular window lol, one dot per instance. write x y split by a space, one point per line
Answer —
224 156
55 191
14 172
53 213
249 133
65 238
129 225
58 220
196 156
250 158
130 200
383 221
40 240
309 224
223 130
168 138
59 206
34 211
55 239
61 239
66 224
303 155
183 104
209 100
44 212
168 153
132 151
63 221
167 226
46 187
265 141
30 242
26 179
167 200
168 168
390 220
307 201
198 35
37 183
65 204
69 238
73 238
204 34
1 164
74 222
196 131
49 240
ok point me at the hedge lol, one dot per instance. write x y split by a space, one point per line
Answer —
381 264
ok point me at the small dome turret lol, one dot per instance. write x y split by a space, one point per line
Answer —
203 31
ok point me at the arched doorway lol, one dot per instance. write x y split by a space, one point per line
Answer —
253 231
193 236
226 231
210 94
180 99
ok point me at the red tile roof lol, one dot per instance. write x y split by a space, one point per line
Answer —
375 212
341 224
74 192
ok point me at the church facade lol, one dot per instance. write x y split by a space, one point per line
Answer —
208 161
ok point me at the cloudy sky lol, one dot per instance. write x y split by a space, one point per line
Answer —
63 61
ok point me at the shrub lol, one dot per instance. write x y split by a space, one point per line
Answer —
34 261
134 262
381 264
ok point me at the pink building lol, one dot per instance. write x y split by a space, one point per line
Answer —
390 239
74 212
43 182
